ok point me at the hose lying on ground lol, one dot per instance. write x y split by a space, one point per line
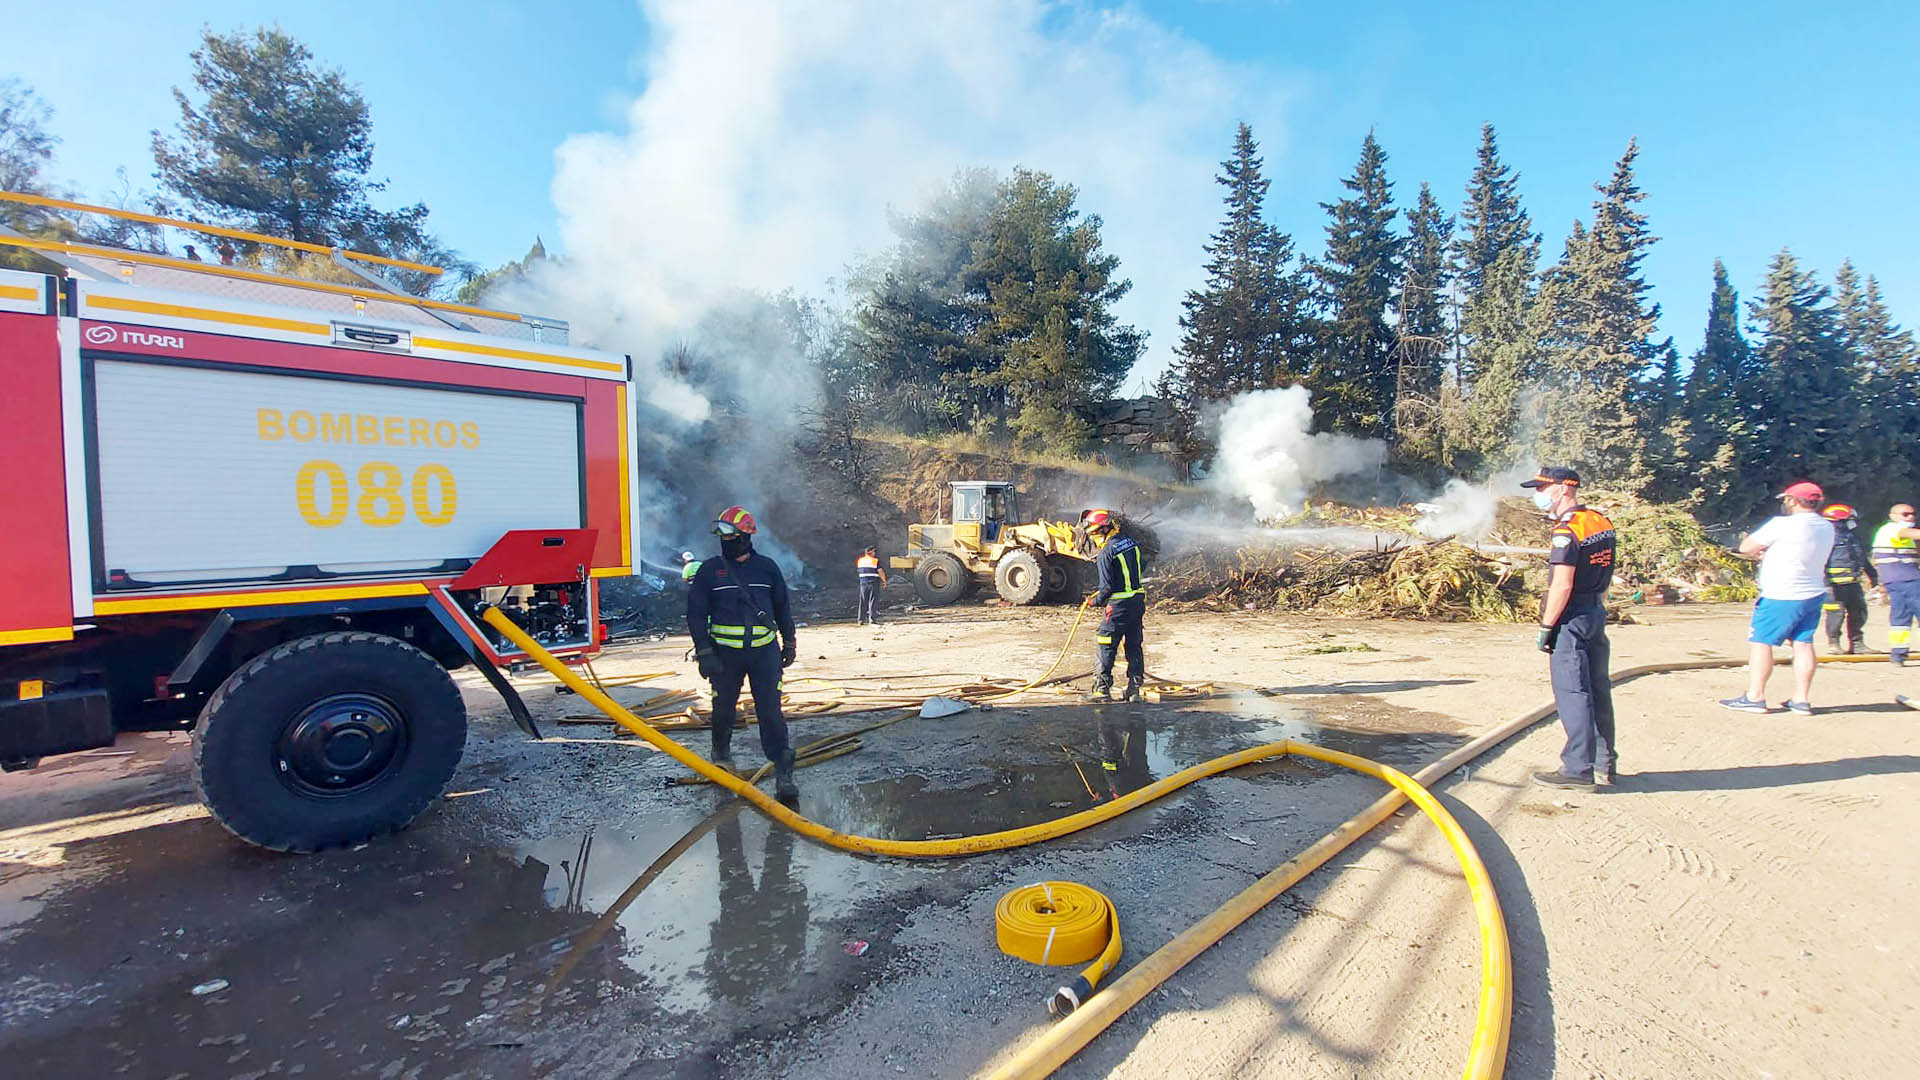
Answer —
1496 987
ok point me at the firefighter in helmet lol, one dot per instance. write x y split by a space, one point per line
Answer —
1846 604
1123 602
689 566
736 609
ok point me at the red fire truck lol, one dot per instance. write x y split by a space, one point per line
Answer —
267 509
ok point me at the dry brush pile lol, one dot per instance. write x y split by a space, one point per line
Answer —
1439 581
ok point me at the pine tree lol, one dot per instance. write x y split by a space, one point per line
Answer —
1247 328
1492 224
1604 326
1807 419
1425 331
1886 363
1354 374
278 145
1717 406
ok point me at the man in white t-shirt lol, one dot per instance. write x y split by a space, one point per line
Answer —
1792 550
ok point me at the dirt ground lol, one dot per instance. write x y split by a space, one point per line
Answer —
1740 904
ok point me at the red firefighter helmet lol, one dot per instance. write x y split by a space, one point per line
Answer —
734 519
1097 521
1838 512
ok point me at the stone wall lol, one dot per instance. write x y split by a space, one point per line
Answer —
1137 426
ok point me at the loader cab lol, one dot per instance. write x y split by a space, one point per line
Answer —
981 508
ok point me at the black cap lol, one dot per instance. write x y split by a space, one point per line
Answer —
1553 474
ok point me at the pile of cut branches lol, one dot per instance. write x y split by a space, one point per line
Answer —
1440 581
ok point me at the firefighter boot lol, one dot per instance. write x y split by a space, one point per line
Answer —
1833 643
1856 644
722 755
1102 688
1132 693
783 785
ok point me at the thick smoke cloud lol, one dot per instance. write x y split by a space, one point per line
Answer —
1270 455
773 139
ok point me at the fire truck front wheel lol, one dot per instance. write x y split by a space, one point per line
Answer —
328 740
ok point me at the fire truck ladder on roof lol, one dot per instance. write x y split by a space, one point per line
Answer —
360 265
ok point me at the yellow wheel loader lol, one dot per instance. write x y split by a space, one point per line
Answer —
1026 563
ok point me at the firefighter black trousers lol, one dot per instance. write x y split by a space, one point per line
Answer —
1122 628
1582 690
869 601
759 668
1847 604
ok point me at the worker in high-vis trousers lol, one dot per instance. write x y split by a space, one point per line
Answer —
1896 554
873 578
737 607
1122 600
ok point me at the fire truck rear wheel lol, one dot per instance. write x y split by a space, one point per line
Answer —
328 740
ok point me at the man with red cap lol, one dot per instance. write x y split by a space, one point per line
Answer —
1792 550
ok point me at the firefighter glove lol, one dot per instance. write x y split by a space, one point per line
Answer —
709 662
788 650
1549 635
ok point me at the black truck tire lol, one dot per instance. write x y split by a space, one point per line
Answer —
940 579
1019 578
328 740
1066 578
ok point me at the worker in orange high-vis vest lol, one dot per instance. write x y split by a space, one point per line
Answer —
873 578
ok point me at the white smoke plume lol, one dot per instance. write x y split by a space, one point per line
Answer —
1270 455
772 139
1466 511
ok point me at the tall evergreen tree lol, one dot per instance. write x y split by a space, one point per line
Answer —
1808 417
1718 404
279 145
1354 374
1887 371
1248 327
1425 330
1492 224
1605 324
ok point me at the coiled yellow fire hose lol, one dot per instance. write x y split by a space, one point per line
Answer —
1488 1054
1060 922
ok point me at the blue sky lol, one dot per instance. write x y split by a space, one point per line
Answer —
1762 124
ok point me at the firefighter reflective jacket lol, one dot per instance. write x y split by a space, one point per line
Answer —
1120 577
738 605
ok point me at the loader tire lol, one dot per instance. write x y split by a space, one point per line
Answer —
328 740
1019 578
940 579
1064 578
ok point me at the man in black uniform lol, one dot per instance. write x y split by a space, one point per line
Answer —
1573 630
736 605
1123 601
1846 597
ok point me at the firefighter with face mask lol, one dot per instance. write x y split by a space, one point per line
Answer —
1573 630
737 607
1846 605
1123 602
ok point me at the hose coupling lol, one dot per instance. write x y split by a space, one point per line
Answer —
1068 998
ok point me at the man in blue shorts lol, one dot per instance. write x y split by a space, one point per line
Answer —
1792 550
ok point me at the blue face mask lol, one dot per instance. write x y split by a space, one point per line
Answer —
1542 500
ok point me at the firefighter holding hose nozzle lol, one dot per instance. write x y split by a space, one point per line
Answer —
1123 602
737 607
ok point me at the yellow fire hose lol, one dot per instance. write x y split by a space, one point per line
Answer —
1496 1002
1487 1053
1060 922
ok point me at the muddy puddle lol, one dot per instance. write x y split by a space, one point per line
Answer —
443 950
